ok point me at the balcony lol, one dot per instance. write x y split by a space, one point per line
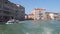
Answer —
2 14
0 7
4 8
6 13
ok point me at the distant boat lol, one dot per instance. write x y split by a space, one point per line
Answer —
12 21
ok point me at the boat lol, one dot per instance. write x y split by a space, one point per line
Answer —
12 21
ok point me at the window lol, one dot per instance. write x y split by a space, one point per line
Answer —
5 8
0 6
6 12
6 2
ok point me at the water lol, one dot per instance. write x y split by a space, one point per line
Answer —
32 27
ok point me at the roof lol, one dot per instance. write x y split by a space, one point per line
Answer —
39 9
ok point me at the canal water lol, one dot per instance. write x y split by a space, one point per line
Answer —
32 27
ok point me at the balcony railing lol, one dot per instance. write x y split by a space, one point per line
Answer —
3 8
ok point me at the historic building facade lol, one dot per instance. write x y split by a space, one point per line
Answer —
29 17
9 9
39 13
52 16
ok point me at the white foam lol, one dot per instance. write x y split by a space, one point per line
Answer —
27 33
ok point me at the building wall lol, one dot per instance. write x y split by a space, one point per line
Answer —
41 14
54 15
20 12
38 13
10 9
29 17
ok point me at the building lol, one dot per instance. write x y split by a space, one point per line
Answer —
20 12
57 16
49 15
29 17
52 16
9 9
39 13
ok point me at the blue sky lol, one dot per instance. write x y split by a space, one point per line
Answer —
49 5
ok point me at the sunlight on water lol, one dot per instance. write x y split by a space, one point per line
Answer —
32 27
47 30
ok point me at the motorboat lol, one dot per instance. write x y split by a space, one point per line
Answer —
12 21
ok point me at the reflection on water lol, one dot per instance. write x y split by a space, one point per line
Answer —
32 27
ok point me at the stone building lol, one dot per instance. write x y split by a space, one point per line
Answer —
39 13
29 17
49 15
9 9
52 16
57 16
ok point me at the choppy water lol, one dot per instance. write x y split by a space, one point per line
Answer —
32 27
